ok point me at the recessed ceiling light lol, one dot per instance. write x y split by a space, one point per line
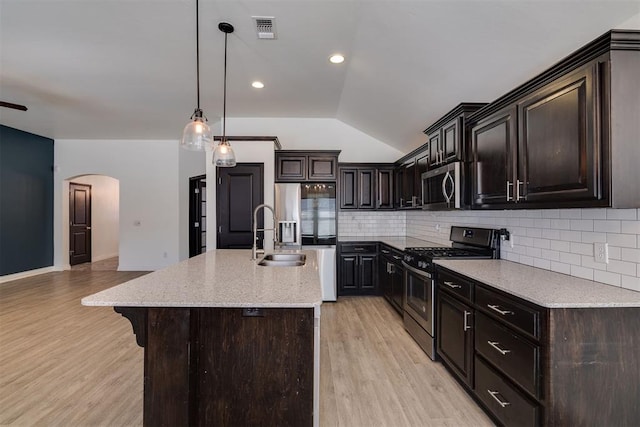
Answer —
257 84
336 59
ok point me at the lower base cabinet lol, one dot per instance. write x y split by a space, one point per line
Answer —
455 343
391 277
357 269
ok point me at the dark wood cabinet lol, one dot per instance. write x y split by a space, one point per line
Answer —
407 184
391 276
365 186
357 269
566 137
306 166
455 326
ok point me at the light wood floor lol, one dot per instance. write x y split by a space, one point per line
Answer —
62 364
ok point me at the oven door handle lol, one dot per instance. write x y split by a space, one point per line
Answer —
416 271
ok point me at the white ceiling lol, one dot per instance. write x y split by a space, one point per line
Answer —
125 69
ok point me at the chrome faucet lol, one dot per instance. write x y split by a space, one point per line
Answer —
254 249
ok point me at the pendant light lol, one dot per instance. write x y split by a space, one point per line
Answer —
223 156
197 134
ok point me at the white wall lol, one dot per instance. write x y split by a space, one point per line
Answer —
246 152
149 213
191 163
105 215
317 134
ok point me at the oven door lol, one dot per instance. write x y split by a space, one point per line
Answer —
441 188
419 297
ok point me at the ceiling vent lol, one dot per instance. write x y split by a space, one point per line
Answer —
265 27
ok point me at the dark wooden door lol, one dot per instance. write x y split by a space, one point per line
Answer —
290 168
79 223
366 188
434 148
322 168
451 135
385 189
197 215
408 184
559 147
348 188
494 155
368 274
348 269
455 337
240 190
398 178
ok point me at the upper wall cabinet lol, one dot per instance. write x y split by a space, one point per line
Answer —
366 186
567 138
306 166
446 137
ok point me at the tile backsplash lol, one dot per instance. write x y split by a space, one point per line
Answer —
560 240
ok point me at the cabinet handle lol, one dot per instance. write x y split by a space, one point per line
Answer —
397 257
496 308
518 183
466 321
509 198
495 344
392 268
495 395
452 285
384 251
358 249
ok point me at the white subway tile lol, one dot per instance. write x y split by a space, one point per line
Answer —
551 255
560 245
594 213
582 272
590 262
527 222
632 283
551 213
631 227
615 252
560 224
542 263
542 223
622 240
527 260
627 214
582 224
534 232
534 252
542 243
612 279
560 267
590 237
622 267
582 248
570 236
606 226
570 213
551 234
512 257
631 255
567 258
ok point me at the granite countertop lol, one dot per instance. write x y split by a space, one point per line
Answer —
398 242
543 287
219 278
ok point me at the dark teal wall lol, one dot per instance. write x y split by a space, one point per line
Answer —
26 201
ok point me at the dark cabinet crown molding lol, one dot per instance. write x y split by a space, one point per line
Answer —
612 40
463 109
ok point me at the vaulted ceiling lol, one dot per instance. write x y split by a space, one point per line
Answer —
125 69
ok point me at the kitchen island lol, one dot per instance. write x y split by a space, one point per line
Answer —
227 342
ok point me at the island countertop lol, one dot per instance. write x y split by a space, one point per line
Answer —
219 278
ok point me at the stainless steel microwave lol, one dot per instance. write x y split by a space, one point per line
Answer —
441 187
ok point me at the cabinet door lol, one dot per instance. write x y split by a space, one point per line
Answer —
451 140
348 283
397 280
385 189
368 273
366 188
455 336
408 184
322 168
348 188
384 277
398 179
434 148
291 168
559 146
493 141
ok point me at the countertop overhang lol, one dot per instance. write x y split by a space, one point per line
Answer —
219 278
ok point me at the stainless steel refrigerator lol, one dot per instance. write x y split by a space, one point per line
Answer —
306 218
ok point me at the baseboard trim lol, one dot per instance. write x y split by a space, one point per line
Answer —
24 274
103 257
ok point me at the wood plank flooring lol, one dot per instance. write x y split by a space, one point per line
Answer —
65 364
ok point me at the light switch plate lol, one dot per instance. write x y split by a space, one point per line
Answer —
601 252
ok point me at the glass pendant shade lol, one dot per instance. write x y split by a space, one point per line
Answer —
223 156
197 134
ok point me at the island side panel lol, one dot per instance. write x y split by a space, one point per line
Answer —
166 367
255 368
594 367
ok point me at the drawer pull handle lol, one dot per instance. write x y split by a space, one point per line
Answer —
495 395
397 257
466 326
385 252
496 308
495 344
358 249
452 285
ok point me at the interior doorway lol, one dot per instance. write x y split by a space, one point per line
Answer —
239 191
79 223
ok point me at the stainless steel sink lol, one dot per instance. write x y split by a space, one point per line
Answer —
283 260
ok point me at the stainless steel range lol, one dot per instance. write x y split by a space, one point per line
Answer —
419 279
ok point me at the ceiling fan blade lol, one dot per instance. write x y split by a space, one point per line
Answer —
14 106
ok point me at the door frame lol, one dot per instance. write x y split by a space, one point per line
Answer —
71 218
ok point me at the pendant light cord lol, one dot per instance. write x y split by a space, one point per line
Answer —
198 51
224 93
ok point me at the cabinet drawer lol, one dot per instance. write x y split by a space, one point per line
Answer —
511 354
358 248
455 284
524 318
503 400
394 255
